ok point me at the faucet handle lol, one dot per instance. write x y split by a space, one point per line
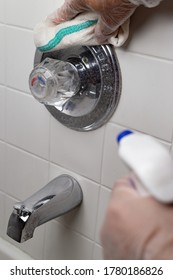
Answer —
53 81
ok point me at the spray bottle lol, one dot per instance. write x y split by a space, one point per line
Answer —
151 163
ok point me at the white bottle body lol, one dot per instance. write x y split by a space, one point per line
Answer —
151 163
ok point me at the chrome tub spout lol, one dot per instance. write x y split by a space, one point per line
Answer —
58 197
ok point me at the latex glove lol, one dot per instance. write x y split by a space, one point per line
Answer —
136 227
112 14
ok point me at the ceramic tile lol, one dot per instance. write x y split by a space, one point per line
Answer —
2 213
33 247
20 52
146 99
151 31
83 219
103 203
98 254
167 145
2 55
25 173
2 113
64 244
80 152
113 168
29 12
2 165
172 150
2 2
27 123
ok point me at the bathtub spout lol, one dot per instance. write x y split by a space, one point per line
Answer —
58 197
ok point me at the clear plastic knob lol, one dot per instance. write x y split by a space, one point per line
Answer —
54 81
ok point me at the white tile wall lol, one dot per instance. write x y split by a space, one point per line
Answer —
98 254
151 31
2 113
19 53
2 11
146 102
172 148
75 151
2 212
28 13
27 123
2 165
112 167
103 202
62 243
34 148
2 54
25 173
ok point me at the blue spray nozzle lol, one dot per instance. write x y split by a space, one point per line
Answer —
123 134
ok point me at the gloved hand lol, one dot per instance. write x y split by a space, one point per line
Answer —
112 14
136 227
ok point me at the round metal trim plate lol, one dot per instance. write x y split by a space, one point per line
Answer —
94 105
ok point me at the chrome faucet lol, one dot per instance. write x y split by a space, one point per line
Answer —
58 197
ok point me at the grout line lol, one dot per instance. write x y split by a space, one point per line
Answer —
16 26
162 59
99 192
150 56
11 197
46 160
3 141
73 230
17 90
25 151
142 132
45 226
102 156
172 137
75 172
49 150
